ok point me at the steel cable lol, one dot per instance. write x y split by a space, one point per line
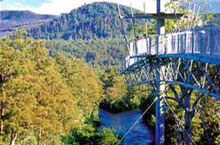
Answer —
135 123
178 120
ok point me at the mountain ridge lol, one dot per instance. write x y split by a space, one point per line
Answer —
96 20
23 14
11 20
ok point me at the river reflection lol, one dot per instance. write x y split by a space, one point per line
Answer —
140 134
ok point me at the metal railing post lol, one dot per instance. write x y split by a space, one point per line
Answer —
212 42
192 41
201 44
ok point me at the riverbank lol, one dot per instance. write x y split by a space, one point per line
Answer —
118 106
121 123
129 104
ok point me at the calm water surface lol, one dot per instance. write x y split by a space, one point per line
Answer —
140 135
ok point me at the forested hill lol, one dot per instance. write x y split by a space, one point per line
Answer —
9 20
94 32
96 20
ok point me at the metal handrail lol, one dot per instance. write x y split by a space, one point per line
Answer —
201 42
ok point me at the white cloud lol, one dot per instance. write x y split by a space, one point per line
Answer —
64 6
58 6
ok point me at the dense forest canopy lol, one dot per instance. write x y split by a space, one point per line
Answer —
43 97
97 52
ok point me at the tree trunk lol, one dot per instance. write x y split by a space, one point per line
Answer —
39 138
179 137
13 138
188 119
1 118
188 128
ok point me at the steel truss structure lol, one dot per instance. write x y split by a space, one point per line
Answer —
167 74
191 74
189 59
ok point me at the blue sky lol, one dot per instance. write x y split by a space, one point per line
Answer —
31 3
64 6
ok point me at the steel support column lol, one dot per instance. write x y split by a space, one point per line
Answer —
160 108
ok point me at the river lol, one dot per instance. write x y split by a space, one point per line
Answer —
121 122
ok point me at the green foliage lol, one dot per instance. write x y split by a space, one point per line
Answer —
210 116
43 97
205 122
82 82
191 17
117 97
96 52
141 30
90 135
132 99
114 87
108 137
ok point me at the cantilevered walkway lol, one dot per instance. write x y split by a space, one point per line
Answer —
201 44
190 59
